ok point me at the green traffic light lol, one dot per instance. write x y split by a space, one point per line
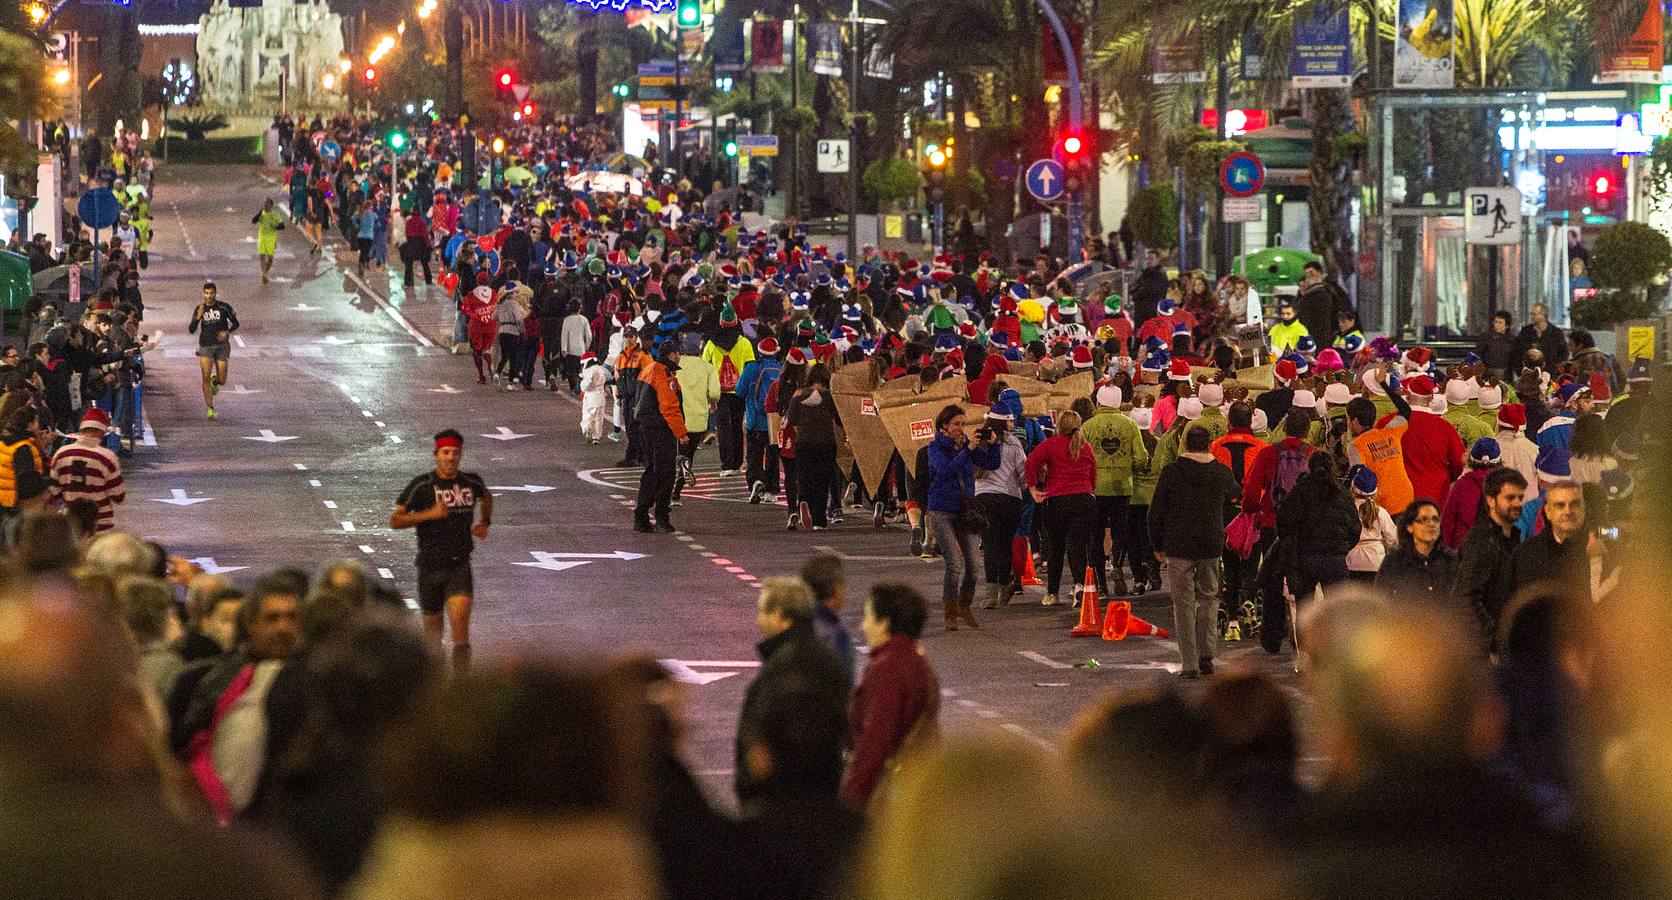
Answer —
690 13
731 148
397 141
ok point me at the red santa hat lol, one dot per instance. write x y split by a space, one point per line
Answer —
1178 370
1082 357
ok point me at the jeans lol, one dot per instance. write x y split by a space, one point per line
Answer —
1315 570
1194 586
728 426
661 462
815 465
1003 513
761 460
957 551
1136 543
1067 521
461 334
1111 520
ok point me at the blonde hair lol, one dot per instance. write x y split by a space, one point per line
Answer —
1068 425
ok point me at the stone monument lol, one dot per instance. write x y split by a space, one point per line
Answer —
248 56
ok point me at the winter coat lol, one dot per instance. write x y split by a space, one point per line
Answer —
1065 476
812 413
1117 443
1433 455
1462 503
1319 517
699 390
1553 342
576 337
999 467
1483 572
1192 503
1407 576
795 659
951 475
895 709
753 385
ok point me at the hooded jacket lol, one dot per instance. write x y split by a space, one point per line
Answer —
753 385
1462 504
728 344
1117 443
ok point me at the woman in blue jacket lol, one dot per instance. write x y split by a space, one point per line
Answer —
951 487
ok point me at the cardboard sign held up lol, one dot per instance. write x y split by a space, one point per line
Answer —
912 425
1066 390
1257 377
866 436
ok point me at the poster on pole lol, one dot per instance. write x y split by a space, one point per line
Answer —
879 63
1422 55
1638 59
1179 61
726 48
825 40
1056 65
766 45
1253 54
1322 56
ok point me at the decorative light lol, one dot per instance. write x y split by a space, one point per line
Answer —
329 81
345 65
61 75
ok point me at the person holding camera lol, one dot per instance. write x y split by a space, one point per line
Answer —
952 515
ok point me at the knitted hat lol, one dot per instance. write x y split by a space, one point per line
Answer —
1553 463
1306 344
1258 424
1338 394
1305 399
1211 393
1166 307
1190 409
1284 371
1082 357
1364 481
1457 392
1568 391
1301 364
1352 343
728 316
1512 415
1485 452
95 419
1491 396
768 346
1109 395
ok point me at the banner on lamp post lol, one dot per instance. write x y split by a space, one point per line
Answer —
879 63
1422 55
825 41
1179 61
766 45
726 48
1638 58
1322 56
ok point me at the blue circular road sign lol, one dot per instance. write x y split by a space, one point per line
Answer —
1242 174
98 208
1045 180
331 151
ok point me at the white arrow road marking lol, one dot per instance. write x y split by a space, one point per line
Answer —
334 341
545 561
303 307
685 670
240 389
445 389
268 437
613 554
209 566
1044 660
177 497
506 434
528 488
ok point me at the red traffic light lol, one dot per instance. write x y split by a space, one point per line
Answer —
527 110
371 74
1072 145
506 78
1601 185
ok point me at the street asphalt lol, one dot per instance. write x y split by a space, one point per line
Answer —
337 383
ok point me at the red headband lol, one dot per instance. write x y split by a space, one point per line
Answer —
456 443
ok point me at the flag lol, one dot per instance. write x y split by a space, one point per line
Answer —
1321 55
726 48
878 63
766 45
1179 61
825 41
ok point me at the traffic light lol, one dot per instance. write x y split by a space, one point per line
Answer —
689 13
498 145
528 110
934 173
506 78
1074 151
503 81
731 148
620 89
397 141
371 74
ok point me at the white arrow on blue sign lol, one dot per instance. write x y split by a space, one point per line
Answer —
1045 180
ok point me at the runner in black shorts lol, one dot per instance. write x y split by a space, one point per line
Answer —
441 505
213 322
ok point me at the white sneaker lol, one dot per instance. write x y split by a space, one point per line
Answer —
727 473
1049 600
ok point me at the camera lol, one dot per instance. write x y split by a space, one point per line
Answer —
984 433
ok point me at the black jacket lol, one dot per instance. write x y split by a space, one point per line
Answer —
1275 402
1317 309
1192 503
1319 517
792 659
1540 557
1497 351
1147 293
1408 576
1483 571
1553 343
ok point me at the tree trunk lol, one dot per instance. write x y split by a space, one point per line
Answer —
586 69
452 39
117 95
962 153
1330 193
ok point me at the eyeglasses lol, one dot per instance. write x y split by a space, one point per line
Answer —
1426 520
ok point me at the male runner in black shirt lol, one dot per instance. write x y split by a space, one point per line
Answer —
441 505
213 322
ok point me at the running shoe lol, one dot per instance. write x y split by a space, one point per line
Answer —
806 513
794 522
214 386
917 538
834 516
757 491
212 412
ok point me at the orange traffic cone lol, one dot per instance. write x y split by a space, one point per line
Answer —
1117 620
1139 628
1089 620
1021 557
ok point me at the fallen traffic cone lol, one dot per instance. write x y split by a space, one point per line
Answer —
1117 620
1089 620
1139 628
1021 558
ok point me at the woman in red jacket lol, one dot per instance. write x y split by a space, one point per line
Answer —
1068 509
896 707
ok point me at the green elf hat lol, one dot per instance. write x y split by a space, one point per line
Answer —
705 271
1112 303
595 266
728 316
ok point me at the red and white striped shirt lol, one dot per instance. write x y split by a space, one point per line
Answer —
87 470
